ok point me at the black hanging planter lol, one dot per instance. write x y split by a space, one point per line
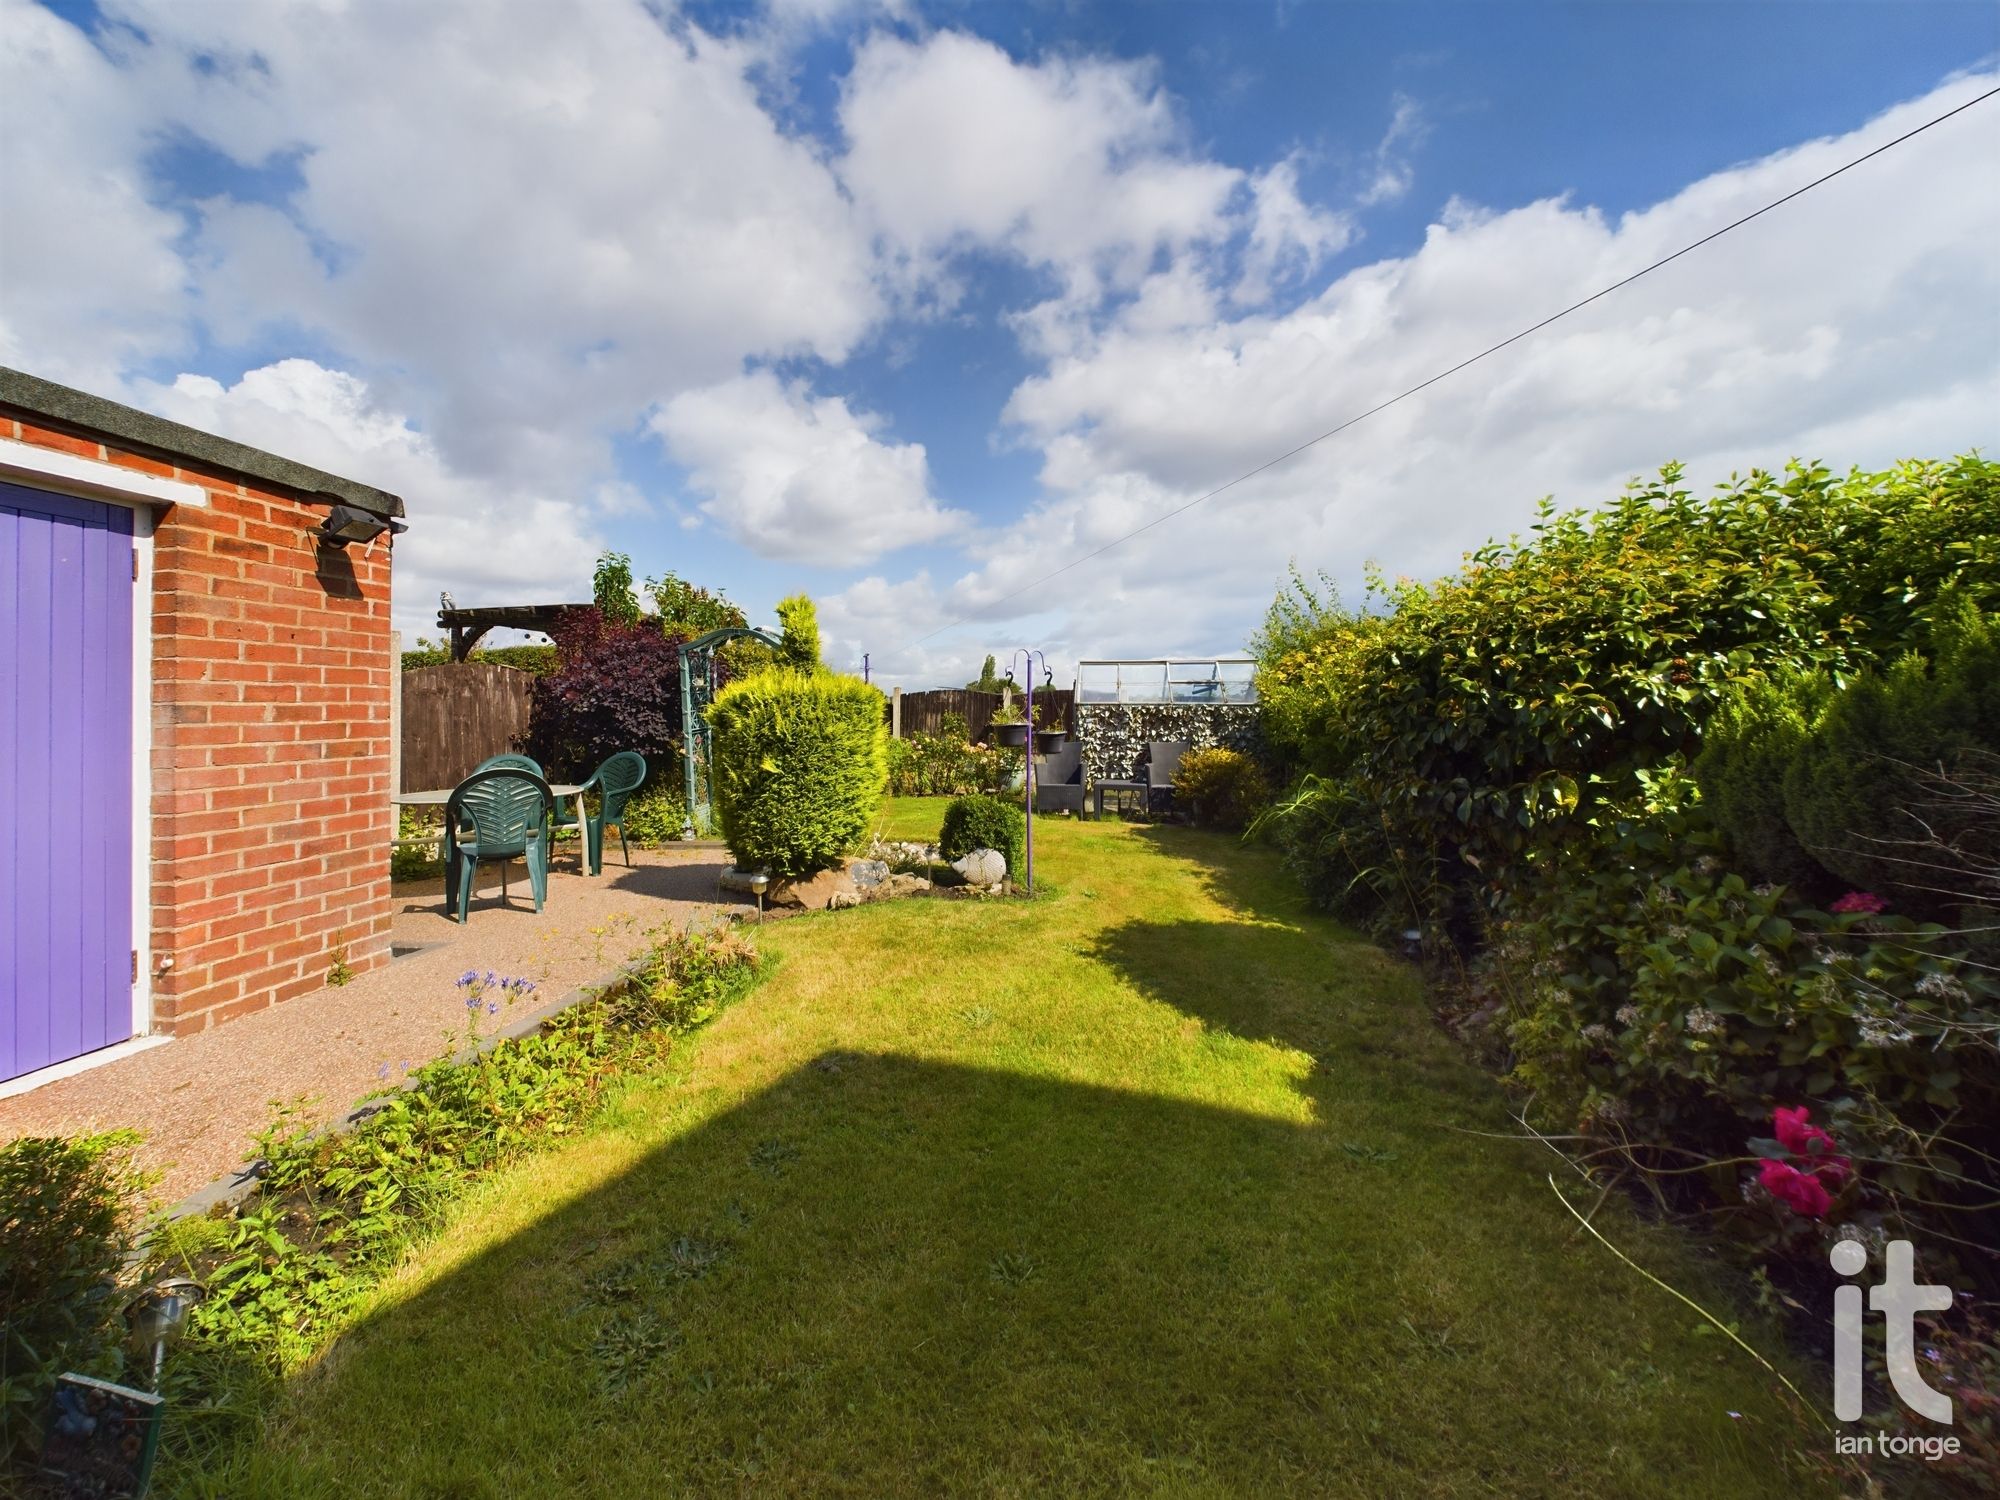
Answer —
1010 736
1048 741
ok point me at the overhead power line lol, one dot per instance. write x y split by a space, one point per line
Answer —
1470 360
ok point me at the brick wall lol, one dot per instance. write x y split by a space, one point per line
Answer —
270 716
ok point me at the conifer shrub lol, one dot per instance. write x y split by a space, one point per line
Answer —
801 761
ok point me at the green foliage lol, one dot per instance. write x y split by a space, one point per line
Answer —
945 765
989 679
611 589
1753 738
66 1213
417 861
657 812
539 660
1827 789
289 1267
984 823
1220 788
798 634
800 765
1471 715
690 611
1856 792
1656 997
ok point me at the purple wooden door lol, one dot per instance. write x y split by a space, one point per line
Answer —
66 774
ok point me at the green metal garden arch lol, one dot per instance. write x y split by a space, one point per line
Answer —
697 692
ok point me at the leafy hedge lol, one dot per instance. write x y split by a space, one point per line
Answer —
1450 729
1872 784
984 823
1500 759
800 764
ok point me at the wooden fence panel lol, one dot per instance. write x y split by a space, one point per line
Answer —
924 713
455 716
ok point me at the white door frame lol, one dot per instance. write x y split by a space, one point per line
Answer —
143 494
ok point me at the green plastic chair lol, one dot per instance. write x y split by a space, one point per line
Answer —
497 814
614 782
516 762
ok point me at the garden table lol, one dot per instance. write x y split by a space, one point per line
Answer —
439 796
1099 788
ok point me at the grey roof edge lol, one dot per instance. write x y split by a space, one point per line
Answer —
144 432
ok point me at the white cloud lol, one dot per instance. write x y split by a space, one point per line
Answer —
1856 324
801 478
1287 237
1074 164
92 281
1391 170
525 220
485 542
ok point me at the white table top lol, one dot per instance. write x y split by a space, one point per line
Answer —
438 796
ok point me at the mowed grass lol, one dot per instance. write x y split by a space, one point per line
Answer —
1156 1184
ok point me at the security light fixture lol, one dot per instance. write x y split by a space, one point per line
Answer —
347 523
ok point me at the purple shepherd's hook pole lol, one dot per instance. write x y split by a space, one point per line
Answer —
1027 657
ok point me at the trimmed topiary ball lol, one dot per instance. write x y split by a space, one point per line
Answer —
984 823
800 765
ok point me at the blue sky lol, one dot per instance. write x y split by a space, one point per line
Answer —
907 305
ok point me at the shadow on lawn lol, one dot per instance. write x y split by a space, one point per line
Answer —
887 1276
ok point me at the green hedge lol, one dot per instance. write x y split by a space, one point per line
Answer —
800 766
1500 759
1451 726
1870 785
984 823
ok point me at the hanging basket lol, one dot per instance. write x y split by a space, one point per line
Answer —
1048 741
1009 736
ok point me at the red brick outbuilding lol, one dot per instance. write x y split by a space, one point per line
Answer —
195 679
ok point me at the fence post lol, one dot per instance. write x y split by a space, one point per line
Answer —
896 714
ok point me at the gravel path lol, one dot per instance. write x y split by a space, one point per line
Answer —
197 1099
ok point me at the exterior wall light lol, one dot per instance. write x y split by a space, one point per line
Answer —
347 523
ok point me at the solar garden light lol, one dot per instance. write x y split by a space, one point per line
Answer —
159 1316
758 884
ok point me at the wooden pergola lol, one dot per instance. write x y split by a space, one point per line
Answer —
467 626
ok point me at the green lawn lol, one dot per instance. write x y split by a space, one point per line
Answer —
1150 1185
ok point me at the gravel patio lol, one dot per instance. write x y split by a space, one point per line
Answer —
196 1100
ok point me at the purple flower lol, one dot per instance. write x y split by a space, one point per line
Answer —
472 1001
383 1071
468 978
493 1007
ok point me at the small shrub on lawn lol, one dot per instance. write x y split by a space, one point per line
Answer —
67 1209
984 823
1220 788
800 764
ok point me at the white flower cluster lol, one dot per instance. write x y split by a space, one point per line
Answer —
1943 987
1884 1031
1702 1021
1628 1015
